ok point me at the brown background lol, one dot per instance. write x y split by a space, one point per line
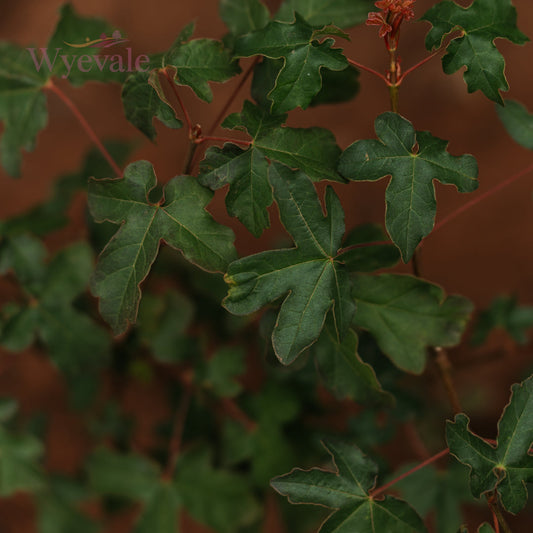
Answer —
484 252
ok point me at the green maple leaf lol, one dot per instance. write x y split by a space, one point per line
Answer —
347 490
337 85
142 103
309 273
508 465
243 16
518 122
299 80
406 315
342 13
313 150
481 23
75 342
344 371
22 100
504 313
197 62
180 219
414 160
20 470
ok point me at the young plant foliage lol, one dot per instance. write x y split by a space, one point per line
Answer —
413 160
480 24
179 218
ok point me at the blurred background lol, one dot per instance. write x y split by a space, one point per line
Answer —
482 253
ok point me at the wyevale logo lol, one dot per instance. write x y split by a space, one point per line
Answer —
88 62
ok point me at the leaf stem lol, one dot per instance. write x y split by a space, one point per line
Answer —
85 125
481 197
180 101
445 367
174 447
494 506
364 245
432 459
232 97
371 70
419 64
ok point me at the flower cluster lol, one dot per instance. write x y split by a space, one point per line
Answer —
392 14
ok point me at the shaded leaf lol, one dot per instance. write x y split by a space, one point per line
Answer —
312 150
19 463
142 103
407 315
347 491
299 80
180 220
221 370
342 13
243 16
518 122
198 62
481 23
504 313
160 512
308 273
508 465
414 160
344 371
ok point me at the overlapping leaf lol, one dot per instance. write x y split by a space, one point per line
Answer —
504 313
507 466
299 80
313 150
75 342
342 13
180 219
23 77
518 122
337 85
308 277
407 315
414 160
216 498
243 16
348 492
343 369
480 23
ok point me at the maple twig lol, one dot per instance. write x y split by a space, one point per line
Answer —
427 462
419 64
492 501
445 366
180 101
232 97
221 139
174 447
482 197
233 410
85 125
371 70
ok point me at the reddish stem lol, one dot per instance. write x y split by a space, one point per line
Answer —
432 459
232 97
221 139
414 67
371 70
481 197
495 520
85 125
364 245
178 97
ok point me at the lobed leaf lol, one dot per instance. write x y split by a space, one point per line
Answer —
180 219
406 315
507 466
309 274
480 23
413 160
304 56
518 122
